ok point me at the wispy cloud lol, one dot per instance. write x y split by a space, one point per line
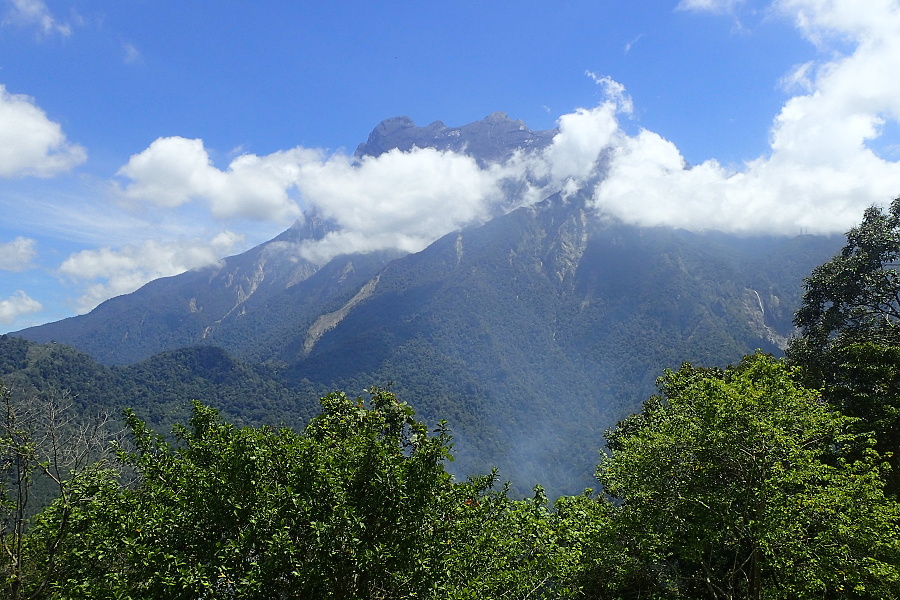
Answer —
629 45
713 6
130 54
34 13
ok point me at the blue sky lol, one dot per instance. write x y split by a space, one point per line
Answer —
139 139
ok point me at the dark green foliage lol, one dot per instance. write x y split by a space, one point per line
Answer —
856 292
158 387
14 354
849 340
734 483
357 506
246 393
740 484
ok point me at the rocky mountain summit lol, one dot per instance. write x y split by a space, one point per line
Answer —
494 138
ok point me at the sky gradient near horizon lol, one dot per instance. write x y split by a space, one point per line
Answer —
140 139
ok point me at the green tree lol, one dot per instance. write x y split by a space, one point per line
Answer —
506 548
341 511
738 483
359 505
849 338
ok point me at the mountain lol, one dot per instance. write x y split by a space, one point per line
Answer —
530 334
494 138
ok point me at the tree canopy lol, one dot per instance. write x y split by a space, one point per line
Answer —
734 483
849 330
738 483
358 505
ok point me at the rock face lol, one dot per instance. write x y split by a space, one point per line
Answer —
494 138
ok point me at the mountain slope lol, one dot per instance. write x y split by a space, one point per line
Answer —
538 330
240 304
158 389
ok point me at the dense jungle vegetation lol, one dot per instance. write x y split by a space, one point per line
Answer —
771 478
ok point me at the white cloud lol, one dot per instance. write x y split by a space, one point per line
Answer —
820 172
16 305
629 45
17 254
30 143
402 200
583 135
823 20
170 172
34 13
173 171
113 272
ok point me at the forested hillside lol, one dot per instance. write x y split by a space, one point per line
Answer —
160 388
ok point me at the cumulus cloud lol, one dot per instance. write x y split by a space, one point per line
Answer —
30 143
16 305
34 13
398 200
173 171
583 135
17 254
821 171
112 272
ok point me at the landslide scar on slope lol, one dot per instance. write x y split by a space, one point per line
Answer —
329 321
